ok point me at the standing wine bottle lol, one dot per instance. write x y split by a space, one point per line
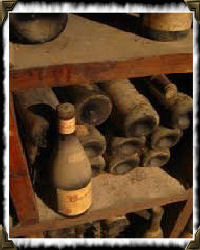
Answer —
70 166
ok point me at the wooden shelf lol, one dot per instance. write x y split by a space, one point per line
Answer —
85 52
88 51
140 189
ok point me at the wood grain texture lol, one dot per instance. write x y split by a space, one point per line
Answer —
88 51
19 181
183 217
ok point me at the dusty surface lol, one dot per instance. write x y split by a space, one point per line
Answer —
141 184
86 41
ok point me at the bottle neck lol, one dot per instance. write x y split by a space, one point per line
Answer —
156 219
155 224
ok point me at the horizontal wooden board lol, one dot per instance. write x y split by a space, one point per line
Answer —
140 189
87 51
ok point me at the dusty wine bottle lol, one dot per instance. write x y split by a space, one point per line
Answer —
91 104
164 137
114 226
155 157
36 108
92 140
178 106
71 170
98 165
155 230
132 112
127 146
166 26
118 164
33 28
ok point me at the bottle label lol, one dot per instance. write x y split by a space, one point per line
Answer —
66 126
74 202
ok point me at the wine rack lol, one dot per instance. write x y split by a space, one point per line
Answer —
78 56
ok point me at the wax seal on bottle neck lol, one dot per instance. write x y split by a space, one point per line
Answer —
66 118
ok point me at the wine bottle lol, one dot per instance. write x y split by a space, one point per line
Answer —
166 26
98 165
91 104
33 28
164 137
118 164
155 157
71 170
92 140
114 226
132 112
126 146
36 108
155 230
175 107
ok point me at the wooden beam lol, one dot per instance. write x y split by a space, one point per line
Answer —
118 210
183 217
20 184
62 75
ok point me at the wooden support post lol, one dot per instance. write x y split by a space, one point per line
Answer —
19 180
183 217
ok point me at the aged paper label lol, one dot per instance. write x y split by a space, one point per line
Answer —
74 202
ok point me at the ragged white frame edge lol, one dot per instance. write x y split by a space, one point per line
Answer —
112 8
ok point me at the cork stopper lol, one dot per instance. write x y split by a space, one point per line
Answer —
66 118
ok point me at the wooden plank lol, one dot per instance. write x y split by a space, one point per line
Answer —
62 75
17 162
183 217
139 185
19 181
87 51
117 210
139 189
86 41
35 235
